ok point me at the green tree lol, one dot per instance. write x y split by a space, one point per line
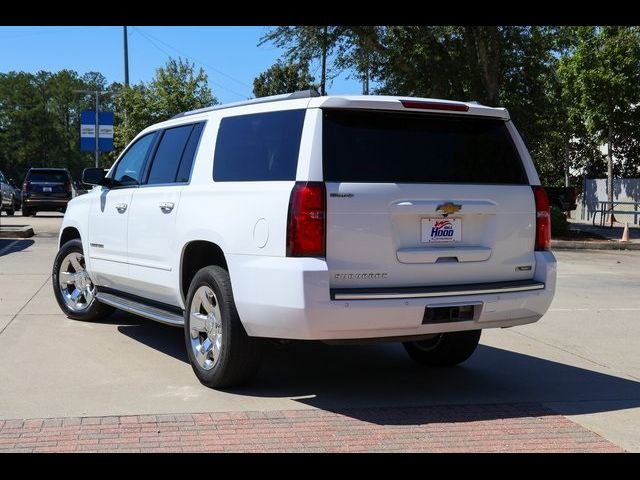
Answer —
283 78
176 87
306 43
601 81
512 67
39 120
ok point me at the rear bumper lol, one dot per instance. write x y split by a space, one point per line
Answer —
290 298
434 292
44 203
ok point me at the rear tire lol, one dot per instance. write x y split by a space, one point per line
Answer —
219 349
26 212
69 264
11 209
445 350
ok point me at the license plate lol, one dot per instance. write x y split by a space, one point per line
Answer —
46 189
441 230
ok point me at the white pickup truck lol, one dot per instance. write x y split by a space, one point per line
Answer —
334 218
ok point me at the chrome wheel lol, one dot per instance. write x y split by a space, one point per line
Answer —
78 291
205 327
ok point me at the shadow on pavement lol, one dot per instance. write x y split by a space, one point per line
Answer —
18 246
341 378
164 338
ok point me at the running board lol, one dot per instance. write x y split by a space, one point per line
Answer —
138 308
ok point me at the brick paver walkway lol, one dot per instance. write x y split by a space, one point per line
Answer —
476 428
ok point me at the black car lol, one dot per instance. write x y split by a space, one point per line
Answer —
17 197
7 202
46 190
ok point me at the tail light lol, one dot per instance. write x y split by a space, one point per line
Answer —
306 221
543 219
25 186
67 186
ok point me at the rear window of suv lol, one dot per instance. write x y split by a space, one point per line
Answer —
47 176
258 147
373 146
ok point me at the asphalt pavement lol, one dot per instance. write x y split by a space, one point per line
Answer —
581 361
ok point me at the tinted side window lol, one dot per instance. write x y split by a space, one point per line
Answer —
168 155
129 168
184 170
368 146
261 146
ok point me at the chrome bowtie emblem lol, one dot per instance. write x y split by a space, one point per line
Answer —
448 208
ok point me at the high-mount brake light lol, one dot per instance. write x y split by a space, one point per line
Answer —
451 107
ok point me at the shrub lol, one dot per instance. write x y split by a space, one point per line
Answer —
559 224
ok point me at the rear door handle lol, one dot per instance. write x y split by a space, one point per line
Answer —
166 207
121 207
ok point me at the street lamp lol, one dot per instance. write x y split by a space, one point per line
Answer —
97 94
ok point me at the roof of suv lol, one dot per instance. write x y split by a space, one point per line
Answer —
311 99
49 169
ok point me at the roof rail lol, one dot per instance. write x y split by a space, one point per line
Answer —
253 101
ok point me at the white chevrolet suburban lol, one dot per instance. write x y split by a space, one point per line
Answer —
333 218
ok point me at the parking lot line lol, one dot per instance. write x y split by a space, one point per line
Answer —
47 280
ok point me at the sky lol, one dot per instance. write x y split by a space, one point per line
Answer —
229 55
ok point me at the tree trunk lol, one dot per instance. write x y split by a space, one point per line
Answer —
365 85
323 77
483 44
566 163
610 169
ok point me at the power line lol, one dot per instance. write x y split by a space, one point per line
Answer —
154 44
198 61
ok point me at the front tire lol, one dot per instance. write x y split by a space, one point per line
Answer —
446 349
26 212
11 210
73 288
219 349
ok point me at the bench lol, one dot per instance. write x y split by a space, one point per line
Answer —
607 211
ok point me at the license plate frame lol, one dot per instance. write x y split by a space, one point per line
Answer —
429 234
47 189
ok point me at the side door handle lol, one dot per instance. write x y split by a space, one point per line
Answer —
166 207
121 207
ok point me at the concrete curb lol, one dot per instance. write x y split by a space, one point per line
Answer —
593 245
16 231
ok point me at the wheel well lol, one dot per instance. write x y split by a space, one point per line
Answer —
197 255
69 233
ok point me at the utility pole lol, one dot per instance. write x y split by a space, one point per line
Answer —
126 58
97 92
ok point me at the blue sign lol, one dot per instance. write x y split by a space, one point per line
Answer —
88 131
